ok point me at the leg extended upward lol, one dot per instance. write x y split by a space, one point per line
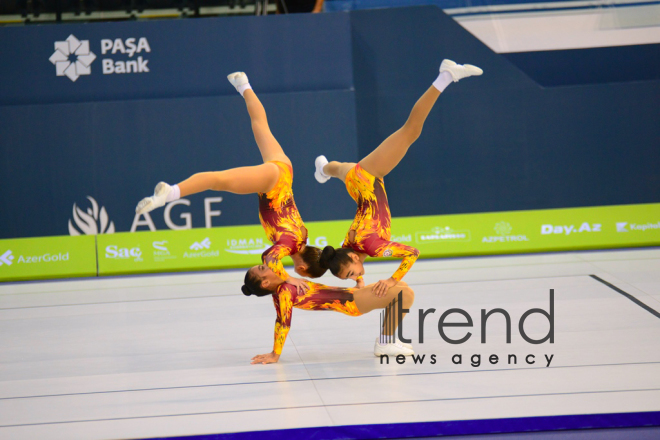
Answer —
389 153
243 180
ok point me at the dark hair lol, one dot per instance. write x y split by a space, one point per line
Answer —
311 256
334 259
252 286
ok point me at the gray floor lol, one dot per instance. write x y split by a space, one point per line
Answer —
169 355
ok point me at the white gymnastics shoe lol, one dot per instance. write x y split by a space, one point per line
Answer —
391 349
459 71
238 79
320 162
156 201
408 346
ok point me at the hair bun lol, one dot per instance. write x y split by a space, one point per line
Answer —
246 290
327 255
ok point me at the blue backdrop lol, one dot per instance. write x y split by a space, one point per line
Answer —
334 84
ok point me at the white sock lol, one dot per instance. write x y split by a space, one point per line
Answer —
385 339
323 172
175 194
243 88
442 81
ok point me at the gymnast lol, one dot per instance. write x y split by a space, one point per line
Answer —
271 180
352 301
369 234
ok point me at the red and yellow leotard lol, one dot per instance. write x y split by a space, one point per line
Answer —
281 220
318 297
372 221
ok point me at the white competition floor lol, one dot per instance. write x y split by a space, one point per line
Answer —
169 355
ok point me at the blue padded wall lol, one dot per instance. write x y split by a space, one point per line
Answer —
499 142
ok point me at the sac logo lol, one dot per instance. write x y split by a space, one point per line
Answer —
115 252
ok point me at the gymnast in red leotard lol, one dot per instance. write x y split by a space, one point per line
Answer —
352 301
369 234
271 180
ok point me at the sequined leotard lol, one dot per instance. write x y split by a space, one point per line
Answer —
318 297
281 220
372 221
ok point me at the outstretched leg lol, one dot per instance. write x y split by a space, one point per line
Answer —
389 153
338 169
243 180
268 146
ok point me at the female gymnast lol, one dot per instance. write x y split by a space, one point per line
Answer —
272 181
369 234
352 301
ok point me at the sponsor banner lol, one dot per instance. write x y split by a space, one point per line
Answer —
530 231
47 257
194 249
242 246
434 236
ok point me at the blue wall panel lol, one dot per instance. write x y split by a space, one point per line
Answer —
590 66
186 58
498 142
117 151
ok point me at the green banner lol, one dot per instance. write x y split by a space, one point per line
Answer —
191 249
530 231
47 257
242 246
434 236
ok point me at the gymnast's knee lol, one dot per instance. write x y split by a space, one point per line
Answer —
412 130
408 296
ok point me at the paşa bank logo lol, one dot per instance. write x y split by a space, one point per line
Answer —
92 222
73 58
